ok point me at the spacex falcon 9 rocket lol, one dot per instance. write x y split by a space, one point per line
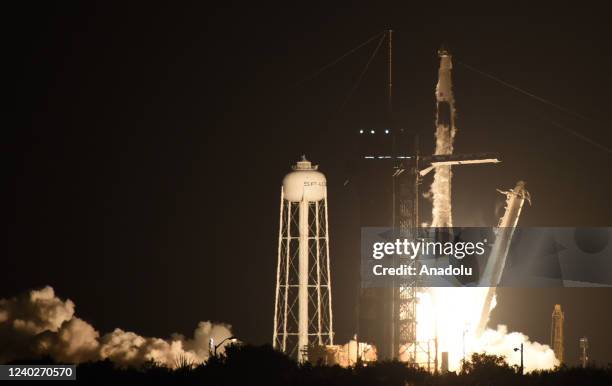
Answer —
445 134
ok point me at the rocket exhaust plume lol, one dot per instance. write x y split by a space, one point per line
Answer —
458 317
40 324
440 191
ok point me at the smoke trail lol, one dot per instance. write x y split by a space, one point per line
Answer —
440 191
41 324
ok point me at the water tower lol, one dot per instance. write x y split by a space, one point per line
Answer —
303 308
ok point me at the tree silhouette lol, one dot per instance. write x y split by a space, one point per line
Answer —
246 365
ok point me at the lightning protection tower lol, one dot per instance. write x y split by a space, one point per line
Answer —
584 347
556 332
303 305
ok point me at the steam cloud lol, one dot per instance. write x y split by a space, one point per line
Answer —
41 324
500 342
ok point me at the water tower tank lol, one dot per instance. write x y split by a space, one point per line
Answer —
304 182
303 315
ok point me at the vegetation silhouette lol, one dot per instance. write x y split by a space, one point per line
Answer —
261 365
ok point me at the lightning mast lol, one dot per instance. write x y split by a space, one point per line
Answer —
584 347
556 332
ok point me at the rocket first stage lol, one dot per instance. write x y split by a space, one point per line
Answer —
445 134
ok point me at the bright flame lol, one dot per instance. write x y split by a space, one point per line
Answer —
453 315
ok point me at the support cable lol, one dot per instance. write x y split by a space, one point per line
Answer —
547 102
335 61
363 72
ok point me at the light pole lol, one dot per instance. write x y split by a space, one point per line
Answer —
516 349
232 339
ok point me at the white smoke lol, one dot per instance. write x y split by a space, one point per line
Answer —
536 356
75 341
500 342
40 311
41 324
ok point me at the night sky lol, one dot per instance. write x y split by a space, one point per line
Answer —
150 144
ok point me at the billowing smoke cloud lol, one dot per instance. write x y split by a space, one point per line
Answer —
41 324
75 341
500 342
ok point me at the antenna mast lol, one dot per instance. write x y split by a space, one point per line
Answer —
390 106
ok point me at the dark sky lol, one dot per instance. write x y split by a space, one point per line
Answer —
150 143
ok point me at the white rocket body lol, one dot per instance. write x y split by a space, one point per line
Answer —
445 133
444 92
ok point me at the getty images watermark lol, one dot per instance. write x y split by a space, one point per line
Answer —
487 257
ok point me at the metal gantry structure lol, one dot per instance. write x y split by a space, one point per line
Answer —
406 181
303 305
